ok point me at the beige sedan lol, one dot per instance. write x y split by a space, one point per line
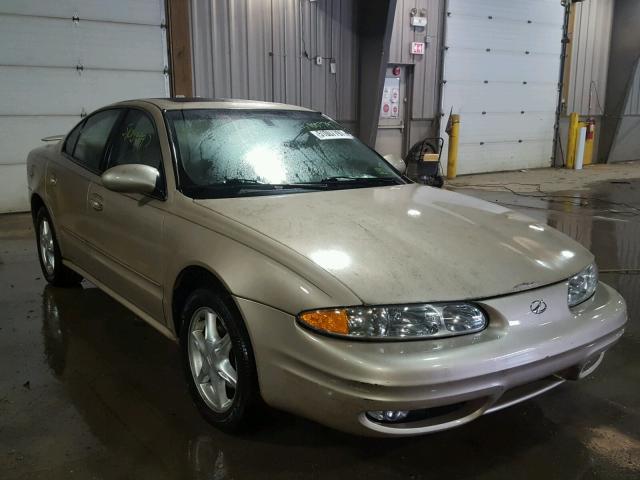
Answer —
295 265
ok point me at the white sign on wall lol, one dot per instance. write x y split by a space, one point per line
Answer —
390 98
417 48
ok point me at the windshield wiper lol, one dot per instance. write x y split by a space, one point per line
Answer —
247 183
359 180
241 181
237 185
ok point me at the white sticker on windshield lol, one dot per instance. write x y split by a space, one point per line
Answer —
330 134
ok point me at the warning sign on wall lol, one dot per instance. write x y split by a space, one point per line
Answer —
390 98
417 48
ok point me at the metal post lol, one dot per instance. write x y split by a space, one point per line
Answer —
574 121
454 138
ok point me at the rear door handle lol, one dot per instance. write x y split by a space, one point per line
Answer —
53 180
96 202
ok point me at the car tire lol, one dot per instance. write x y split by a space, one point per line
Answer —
54 271
227 406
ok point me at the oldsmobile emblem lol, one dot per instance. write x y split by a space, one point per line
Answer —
538 306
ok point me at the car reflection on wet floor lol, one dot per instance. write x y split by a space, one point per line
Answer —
87 390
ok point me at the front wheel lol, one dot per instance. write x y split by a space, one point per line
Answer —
218 360
49 253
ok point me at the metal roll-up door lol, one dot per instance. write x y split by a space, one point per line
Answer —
501 71
60 60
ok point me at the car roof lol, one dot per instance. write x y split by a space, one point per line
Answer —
191 103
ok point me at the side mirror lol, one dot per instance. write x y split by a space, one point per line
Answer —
134 178
396 162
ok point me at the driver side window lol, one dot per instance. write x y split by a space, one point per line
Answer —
136 142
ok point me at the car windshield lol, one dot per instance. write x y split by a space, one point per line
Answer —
226 153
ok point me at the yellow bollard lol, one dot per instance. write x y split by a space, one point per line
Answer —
454 138
572 144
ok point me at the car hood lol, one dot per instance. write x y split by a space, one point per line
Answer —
411 243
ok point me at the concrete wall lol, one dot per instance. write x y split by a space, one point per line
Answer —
266 49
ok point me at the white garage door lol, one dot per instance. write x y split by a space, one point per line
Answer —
501 71
62 59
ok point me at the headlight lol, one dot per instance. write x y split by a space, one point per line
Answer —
582 285
398 322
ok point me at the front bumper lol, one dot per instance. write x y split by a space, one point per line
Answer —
335 381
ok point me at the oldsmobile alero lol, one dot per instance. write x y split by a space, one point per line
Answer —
296 266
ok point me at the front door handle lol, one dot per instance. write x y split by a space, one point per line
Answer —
96 202
53 180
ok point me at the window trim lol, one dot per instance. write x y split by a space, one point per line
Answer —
83 124
162 193
80 126
172 148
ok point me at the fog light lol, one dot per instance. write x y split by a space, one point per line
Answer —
388 415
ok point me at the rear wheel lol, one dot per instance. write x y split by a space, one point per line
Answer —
218 360
49 253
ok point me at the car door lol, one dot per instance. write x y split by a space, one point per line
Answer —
126 229
68 177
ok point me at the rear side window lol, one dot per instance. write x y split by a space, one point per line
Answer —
72 138
95 133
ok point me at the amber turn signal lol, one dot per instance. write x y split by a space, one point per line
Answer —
332 321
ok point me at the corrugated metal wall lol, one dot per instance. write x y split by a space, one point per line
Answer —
633 96
426 83
588 69
590 56
623 60
626 142
266 49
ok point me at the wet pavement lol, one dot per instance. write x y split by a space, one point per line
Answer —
87 390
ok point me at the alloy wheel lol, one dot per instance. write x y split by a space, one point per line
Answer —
212 360
47 249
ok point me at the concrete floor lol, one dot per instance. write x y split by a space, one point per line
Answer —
89 391
549 179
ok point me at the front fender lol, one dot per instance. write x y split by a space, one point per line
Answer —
249 265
